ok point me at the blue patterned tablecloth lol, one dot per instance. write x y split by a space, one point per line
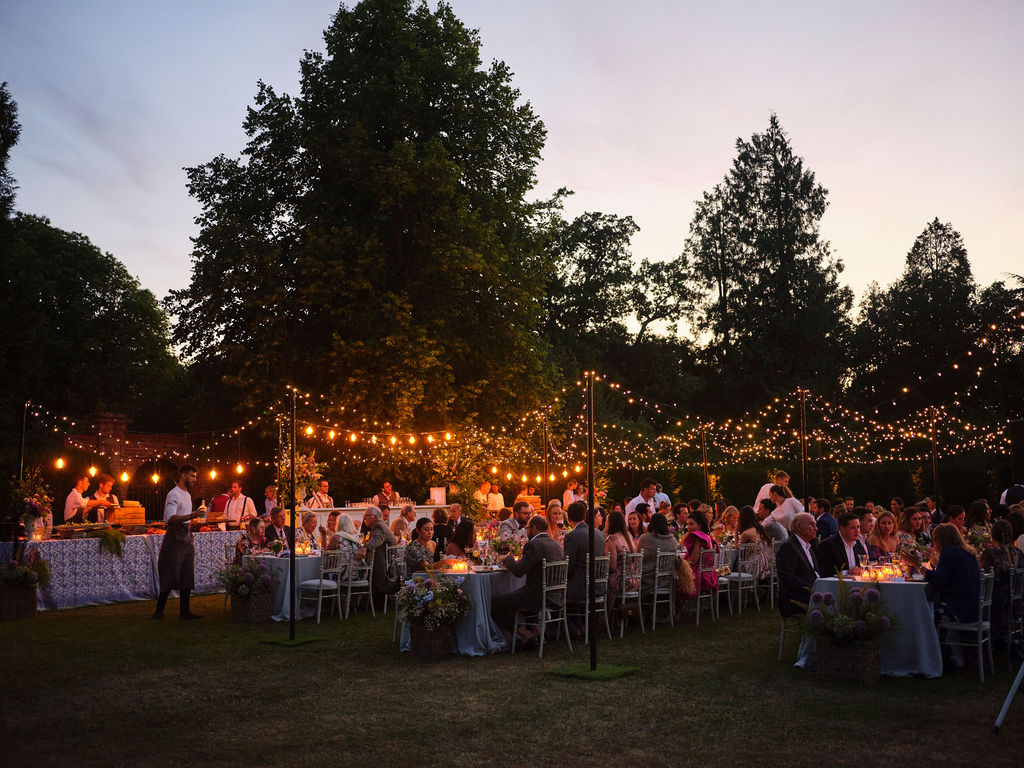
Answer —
81 573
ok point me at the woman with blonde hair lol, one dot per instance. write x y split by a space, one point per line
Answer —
556 520
730 520
883 540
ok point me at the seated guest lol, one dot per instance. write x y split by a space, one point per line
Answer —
730 520
253 541
402 527
419 555
978 517
1001 557
307 533
277 530
504 514
108 501
896 506
635 527
680 512
772 527
577 546
843 551
914 527
883 541
345 535
598 519
617 543
822 511
697 541
658 539
521 513
752 532
556 520
332 521
443 531
1016 520
957 517
867 522
540 548
463 540
954 584
376 546
799 566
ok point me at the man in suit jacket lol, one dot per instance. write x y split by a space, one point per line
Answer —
521 512
841 551
576 543
380 538
538 549
798 567
276 528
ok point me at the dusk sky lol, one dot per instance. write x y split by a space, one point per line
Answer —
905 111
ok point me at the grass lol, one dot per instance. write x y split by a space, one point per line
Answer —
107 686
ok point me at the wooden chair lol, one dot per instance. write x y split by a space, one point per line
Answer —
332 566
555 579
975 634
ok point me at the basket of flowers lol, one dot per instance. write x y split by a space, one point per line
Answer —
251 590
431 606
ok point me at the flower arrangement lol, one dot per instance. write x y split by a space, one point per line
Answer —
857 615
506 543
28 569
434 601
246 578
913 553
277 546
307 472
30 497
978 538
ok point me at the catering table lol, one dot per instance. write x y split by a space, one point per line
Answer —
306 568
911 647
81 573
476 634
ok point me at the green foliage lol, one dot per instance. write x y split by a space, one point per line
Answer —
10 130
374 243
28 568
29 498
111 540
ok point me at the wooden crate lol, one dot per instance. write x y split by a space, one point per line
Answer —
131 516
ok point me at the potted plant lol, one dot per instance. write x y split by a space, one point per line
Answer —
431 606
848 628
251 590
19 581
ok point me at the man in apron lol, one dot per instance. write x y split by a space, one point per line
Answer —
176 564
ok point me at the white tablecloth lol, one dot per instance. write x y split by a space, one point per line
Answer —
306 568
476 634
911 647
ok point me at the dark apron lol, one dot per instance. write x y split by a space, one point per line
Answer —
176 564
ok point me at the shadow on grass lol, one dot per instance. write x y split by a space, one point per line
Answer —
603 671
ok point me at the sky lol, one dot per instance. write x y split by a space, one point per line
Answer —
905 111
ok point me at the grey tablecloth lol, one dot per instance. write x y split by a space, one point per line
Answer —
910 648
476 634
306 568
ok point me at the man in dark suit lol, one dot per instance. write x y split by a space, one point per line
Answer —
841 551
798 567
376 546
538 549
276 528
577 545
822 511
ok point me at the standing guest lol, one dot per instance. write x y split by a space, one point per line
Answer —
419 555
307 532
1001 558
443 531
320 498
955 582
521 512
556 520
576 546
481 493
752 532
883 540
462 540
253 542
402 527
176 564
660 497
957 517
799 566
76 505
697 541
822 511
108 501
386 495
569 495
218 504
781 478
277 531
646 496
376 545
842 552
617 543
454 515
771 526
540 548
269 500
786 507
635 527
240 508
495 499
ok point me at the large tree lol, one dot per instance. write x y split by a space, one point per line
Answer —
10 129
772 302
374 241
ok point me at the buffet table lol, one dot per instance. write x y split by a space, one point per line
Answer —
911 647
81 573
476 634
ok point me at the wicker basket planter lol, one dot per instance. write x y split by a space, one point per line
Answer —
17 602
252 608
431 644
850 662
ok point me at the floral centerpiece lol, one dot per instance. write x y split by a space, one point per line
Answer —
978 538
308 472
434 601
251 588
912 552
848 628
30 499
507 543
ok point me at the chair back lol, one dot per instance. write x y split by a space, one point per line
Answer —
601 566
746 561
332 563
556 577
665 571
632 570
988 582
395 559
775 546
708 564
229 553
360 570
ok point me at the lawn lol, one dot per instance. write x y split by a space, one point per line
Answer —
107 686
